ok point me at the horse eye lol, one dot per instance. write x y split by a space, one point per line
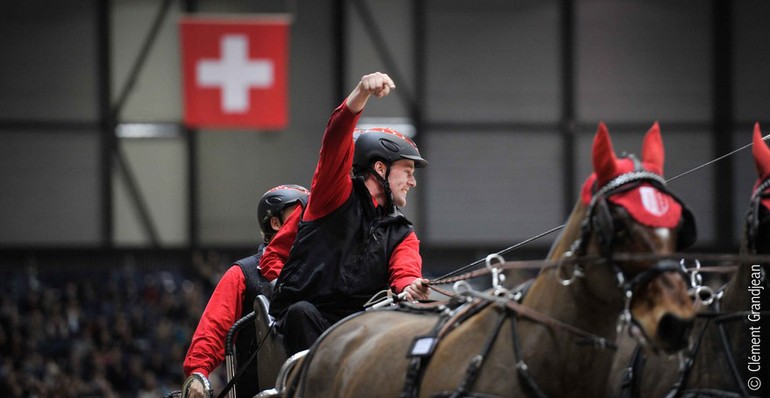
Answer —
621 229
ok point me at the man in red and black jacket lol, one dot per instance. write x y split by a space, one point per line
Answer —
233 298
352 241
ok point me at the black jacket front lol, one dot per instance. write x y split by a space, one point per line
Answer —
339 261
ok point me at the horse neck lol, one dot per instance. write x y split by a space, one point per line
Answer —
570 233
578 367
576 304
570 365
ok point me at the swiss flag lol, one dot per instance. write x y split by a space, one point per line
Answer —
235 72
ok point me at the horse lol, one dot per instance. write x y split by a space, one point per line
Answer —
716 365
559 340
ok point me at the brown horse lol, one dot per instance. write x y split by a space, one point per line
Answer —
717 363
559 340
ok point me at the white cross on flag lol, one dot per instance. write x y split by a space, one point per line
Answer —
234 72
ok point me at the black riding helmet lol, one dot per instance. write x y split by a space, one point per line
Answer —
277 199
384 144
387 145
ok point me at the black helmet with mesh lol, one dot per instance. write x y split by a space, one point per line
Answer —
277 199
384 144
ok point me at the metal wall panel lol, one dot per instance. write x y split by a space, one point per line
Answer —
492 61
752 57
49 192
491 188
158 166
49 61
643 61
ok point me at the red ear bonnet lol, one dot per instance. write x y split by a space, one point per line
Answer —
604 159
761 154
645 203
761 159
653 153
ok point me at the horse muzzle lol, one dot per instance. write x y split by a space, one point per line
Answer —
673 332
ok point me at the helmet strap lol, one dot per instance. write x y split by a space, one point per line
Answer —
384 182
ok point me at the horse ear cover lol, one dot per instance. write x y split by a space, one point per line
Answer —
605 165
653 153
761 154
603 156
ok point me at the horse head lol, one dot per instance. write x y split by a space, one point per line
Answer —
757 233
756 236
629 210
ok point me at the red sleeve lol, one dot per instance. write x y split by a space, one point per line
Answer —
207 349
405 263
277 251
331 184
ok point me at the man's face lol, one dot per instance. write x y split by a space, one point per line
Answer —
401 180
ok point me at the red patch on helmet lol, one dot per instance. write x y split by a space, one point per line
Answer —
386 130
289 187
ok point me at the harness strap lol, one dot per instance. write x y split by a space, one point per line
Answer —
441 291
472 372
544 319
522 370
418 363
630 383
678 385
413 373
731 360
652 272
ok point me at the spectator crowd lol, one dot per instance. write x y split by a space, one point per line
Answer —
112 331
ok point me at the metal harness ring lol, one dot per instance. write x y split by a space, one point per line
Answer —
497 276
577 273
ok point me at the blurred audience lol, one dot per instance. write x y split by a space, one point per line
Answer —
116 332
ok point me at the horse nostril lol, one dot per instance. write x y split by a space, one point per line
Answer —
674 331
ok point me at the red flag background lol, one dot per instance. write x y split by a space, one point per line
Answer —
235 72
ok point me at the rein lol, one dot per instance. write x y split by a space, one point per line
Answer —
539 317
546 264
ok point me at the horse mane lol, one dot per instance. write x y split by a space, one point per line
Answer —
570 233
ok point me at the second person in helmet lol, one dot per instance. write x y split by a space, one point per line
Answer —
352 241
234 296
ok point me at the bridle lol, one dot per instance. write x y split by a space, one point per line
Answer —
752 221
599 220
719 318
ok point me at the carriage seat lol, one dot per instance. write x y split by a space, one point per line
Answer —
272 354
